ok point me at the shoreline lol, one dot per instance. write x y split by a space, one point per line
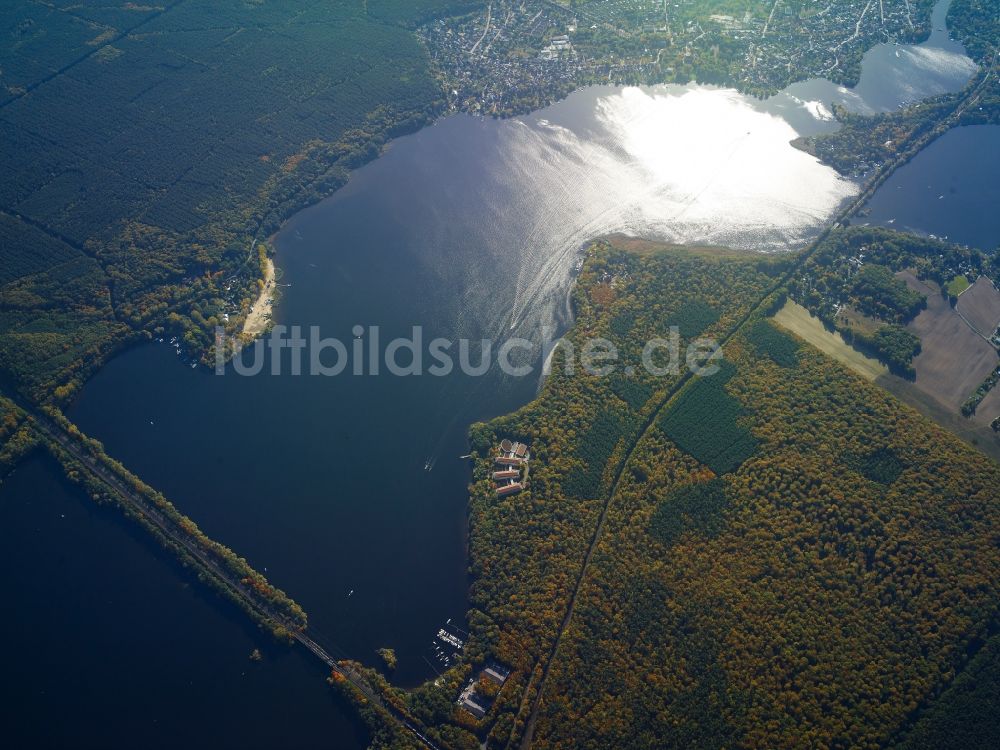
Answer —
258 318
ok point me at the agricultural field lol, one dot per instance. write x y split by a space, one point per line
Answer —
769 542
854 284
954 359
797 319
980 306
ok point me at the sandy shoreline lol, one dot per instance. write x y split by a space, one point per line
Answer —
259 316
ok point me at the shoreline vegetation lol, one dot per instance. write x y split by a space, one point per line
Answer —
513 721
317 170
107 481
179 288
166 256
552 620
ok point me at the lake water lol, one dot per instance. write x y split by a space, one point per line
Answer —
895 75
349 490
950 189
109 644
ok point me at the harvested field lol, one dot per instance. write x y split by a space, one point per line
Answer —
797 319
955 359
980 306
989 408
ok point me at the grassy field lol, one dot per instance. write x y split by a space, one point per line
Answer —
958 285
641 246
851 318
797 319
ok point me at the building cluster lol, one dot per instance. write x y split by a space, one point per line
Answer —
510 467
483 55
472 700
824 292
558 45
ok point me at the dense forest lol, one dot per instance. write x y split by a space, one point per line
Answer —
129 208
776 552
823 593
781 551
137 215
16 436
525 550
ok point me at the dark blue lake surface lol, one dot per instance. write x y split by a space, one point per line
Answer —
334 485
109 643
950 189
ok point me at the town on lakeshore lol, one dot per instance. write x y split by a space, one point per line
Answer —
796 546
514 53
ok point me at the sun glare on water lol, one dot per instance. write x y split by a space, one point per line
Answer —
692 165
